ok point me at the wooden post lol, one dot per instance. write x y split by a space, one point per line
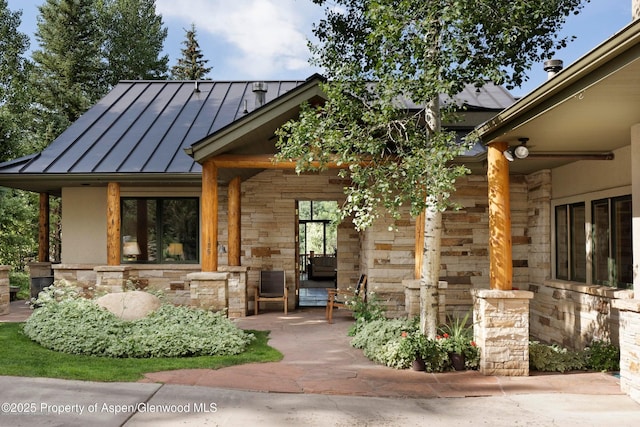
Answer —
209 216
113 224
500 256
43 228
234 213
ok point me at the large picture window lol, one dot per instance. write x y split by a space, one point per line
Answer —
160 230
594 245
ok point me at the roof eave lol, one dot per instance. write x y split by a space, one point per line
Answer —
603 54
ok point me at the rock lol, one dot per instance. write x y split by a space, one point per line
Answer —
129 305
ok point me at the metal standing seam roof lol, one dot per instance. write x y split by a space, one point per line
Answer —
144 127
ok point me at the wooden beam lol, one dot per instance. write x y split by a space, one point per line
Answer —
209 216
234 214
113 224
264 161
43 228
500 256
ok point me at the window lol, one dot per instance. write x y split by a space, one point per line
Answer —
160 230
571 257
606 257
611 236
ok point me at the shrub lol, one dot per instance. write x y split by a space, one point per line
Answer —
553 358
365 311
67 323
22 280
603 356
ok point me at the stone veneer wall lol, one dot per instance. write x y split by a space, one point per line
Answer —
573 315
169 278
629 346
388 258
465 240
268 225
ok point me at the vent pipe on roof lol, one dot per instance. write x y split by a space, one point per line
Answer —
260 90
196 86
552 67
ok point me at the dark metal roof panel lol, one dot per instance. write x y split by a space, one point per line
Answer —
144 127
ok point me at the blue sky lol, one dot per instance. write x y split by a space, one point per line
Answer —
266 39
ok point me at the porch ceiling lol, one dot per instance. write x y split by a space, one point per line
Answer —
588 107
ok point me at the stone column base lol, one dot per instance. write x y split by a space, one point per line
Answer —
629 346
237 296
111 278
501 331
412 299
209 290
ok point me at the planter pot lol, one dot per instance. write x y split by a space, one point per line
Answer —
418 364
457 360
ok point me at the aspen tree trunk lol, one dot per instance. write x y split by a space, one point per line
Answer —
430 274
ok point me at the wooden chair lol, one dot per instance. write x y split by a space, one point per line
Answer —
337 298
272 287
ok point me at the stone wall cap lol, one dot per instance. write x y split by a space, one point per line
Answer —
5 267
108 268
233 268
73 266
501 294
208 275
626 304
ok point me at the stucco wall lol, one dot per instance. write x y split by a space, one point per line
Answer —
592 175
84 225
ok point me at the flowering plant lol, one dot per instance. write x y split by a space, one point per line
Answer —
456 337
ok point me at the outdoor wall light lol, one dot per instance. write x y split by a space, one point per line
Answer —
508 154
521 151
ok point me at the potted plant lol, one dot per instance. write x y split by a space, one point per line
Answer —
456 339
413 346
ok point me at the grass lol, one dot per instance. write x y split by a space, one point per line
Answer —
24 358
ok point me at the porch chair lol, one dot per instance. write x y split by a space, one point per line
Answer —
272 287
337 298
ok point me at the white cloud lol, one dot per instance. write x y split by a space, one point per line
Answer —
264 37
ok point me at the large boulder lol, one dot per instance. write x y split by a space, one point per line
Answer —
129 305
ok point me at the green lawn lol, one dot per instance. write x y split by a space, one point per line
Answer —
19 356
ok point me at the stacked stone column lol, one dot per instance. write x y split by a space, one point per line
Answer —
501 331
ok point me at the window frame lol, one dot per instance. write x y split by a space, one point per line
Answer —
159 228
587 199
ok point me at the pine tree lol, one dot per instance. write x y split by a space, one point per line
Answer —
191 66
70 73
13 70
133 39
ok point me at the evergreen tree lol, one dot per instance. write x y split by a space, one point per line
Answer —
13 70
191 66
70 73
133 39
18 209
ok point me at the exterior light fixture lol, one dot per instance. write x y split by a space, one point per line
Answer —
508 154
521 151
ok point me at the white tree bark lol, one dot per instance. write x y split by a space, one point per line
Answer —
430 273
